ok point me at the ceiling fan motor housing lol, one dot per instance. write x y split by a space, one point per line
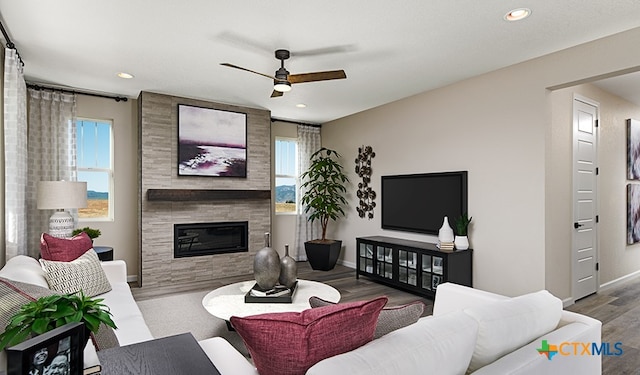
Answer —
282 54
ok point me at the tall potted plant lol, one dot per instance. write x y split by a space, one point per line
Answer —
324 186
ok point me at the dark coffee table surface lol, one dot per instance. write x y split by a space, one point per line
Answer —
173 355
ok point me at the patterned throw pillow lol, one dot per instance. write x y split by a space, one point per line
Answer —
83 274
64 249
390 319
289 343
14 294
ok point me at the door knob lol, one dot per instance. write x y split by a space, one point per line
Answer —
577 225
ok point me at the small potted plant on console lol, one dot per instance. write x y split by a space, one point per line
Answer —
461 240
324 186
92 233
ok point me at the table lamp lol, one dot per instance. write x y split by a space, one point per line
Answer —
61 195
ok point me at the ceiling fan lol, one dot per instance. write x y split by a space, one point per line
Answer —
282 80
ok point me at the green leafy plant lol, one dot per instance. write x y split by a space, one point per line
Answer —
462 224
46 313
324 185
92 233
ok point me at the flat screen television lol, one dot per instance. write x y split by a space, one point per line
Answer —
419 202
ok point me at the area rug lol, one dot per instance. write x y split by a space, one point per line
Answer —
180 313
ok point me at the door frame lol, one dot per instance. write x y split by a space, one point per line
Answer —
574 138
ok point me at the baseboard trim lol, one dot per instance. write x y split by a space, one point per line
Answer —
347 264
132 278
613 283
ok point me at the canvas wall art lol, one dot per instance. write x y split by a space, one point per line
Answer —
211 142
633 149
633 213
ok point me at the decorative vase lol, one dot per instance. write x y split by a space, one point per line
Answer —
445 234
266 265
288 269
461 242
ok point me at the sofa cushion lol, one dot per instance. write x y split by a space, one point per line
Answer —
83 274
64 249
505 326
290 343
391 317
24 269
433 345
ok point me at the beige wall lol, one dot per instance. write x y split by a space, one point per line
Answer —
498 127
122 232
615 257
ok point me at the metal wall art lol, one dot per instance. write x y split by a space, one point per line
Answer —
365 193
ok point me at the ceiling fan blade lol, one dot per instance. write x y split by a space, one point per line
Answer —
276 94
317 76
247 70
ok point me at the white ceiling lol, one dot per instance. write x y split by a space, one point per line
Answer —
389 49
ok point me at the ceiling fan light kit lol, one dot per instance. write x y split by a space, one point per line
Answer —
282 86
282 80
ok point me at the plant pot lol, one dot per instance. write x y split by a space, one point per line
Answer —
461 242
323 256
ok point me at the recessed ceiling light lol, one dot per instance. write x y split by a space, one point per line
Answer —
518 14
301 105
125 75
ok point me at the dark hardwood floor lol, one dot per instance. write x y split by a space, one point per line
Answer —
617 308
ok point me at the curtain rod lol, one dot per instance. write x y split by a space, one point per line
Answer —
10 44
41 88
296 122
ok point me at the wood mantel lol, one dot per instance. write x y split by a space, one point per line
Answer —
185 195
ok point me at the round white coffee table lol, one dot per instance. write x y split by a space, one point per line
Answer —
228 301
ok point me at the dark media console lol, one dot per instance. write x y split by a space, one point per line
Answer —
417 267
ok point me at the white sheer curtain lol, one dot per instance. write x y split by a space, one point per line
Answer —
15 156
309 141
52 153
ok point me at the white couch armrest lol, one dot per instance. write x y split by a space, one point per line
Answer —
116 271
226 358
452 297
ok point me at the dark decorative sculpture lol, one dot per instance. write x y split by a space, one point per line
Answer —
266 265
288 269
365 193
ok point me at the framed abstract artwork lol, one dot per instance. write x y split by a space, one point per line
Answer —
59 351
633 149
211 142
633 213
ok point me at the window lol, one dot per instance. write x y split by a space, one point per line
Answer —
95 166
286 174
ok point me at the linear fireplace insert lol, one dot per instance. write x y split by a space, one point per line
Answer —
196 239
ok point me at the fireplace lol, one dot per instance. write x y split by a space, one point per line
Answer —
197 239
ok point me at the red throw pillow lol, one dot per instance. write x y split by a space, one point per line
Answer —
290 343
64 249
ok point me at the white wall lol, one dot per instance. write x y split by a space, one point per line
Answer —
122 232
498 127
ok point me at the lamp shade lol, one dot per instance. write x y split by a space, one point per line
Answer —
60 195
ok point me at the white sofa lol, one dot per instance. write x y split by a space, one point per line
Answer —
443 343
466 323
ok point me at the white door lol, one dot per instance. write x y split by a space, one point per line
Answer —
584 244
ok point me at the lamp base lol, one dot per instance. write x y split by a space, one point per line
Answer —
61 224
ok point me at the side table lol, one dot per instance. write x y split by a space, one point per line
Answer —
173 355
104 252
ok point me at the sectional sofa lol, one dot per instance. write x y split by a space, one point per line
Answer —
470 331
